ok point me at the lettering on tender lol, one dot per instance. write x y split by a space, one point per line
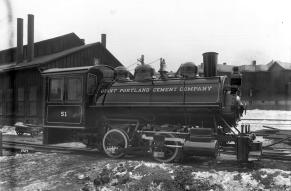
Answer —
159 89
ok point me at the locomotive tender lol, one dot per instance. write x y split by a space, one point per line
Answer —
167 116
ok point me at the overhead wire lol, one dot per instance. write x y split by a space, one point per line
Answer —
153 61
132 65
150 63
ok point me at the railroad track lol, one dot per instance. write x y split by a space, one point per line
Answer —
264 119
26 147
275 154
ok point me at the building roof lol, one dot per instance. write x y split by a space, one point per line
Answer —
219 67
224 68
58 70
38 61
265 67
285 65
44 47
251 67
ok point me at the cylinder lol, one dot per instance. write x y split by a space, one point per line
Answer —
19 50
30 37
209 149
210 64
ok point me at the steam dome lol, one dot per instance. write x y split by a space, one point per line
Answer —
188 70
143 72
122 74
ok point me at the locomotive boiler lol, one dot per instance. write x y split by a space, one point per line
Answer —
168 116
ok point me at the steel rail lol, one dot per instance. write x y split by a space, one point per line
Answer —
43 148
275 154
278 124
261 119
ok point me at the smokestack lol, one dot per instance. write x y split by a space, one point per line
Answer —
103 40
30 37
210 63
19 50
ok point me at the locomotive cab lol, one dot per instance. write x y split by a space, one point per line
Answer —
69 91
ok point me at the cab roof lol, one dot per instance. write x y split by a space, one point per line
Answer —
82 69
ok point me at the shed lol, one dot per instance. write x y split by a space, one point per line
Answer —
21 90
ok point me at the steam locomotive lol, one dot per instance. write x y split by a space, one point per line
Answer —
167 116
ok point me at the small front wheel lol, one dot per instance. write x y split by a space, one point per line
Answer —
114 143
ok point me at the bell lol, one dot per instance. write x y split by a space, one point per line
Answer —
162 65
163 72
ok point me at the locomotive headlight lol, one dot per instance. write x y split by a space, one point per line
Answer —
240 105
252 136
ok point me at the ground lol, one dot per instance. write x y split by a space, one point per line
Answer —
56 171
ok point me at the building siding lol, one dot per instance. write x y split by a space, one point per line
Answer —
24 81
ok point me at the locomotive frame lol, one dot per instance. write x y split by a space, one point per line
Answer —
120 116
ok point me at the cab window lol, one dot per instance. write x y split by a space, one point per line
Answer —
91 83
74 89
56 90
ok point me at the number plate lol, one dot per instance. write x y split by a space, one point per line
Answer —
159 154
64 114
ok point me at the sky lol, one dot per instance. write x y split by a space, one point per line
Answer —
176 30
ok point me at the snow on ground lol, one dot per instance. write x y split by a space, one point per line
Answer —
260 179
267 114
8 130
71 145
55 171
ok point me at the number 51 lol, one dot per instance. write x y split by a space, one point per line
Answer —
63 114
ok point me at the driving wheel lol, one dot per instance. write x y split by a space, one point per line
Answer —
162 151
114 143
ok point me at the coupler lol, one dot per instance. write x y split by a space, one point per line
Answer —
246 147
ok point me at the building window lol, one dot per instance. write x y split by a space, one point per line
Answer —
20 94
32 101
56 89
20 101
9 100
1 102
74 89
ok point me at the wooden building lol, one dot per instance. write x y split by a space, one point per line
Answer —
264 86
267 86
21 90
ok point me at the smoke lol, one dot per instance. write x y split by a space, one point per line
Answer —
10 22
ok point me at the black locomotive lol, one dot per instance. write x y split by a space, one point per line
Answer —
168 116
